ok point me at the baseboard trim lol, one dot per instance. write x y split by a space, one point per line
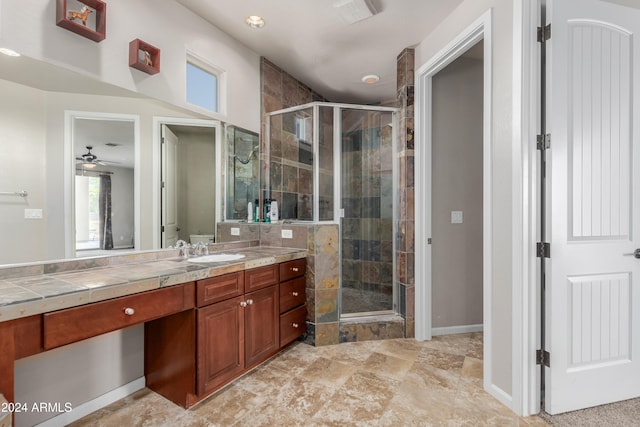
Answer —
450 330
94 404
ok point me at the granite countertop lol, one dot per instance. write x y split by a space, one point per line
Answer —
45 287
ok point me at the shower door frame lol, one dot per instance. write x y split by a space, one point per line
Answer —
337 136
338 211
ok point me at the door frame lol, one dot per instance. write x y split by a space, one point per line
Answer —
526 299
158 121
480 29
70 173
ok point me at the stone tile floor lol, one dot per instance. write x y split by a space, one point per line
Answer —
399 382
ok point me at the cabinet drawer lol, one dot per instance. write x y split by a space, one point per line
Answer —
292 325
219 288
261 277
291 269
292 294
79 323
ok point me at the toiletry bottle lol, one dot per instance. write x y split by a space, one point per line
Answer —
267 210
274 211
249 212
256 208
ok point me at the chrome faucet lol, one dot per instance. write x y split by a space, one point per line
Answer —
201 248
184 248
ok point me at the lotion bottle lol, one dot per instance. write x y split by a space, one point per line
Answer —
274 211
249 212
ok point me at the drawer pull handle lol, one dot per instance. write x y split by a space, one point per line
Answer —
129 311
249 301
295 325
294 269
295 294
243 304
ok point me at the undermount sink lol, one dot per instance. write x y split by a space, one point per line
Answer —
217 258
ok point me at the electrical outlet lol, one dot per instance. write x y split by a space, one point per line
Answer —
235 231
287 234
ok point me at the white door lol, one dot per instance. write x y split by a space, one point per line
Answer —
593 289
170 223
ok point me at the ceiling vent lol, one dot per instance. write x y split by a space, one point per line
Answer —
352 11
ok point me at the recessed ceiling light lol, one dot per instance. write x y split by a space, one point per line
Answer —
8 52
370 79
255 21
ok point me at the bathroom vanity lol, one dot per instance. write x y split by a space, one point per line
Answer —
205 323
240 320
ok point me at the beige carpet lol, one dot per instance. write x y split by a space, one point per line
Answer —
619 414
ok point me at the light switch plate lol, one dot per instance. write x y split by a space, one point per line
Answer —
287 234
235 231
33 214
456 217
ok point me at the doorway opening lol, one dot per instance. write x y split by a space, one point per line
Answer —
456 195
478 33
189 185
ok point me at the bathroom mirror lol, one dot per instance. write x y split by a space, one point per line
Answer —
36 158
243 168
104 185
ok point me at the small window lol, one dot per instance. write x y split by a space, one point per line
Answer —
203 85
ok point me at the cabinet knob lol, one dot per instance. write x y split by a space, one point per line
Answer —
249 301
294 269
243 304
129 311
295 294
295 325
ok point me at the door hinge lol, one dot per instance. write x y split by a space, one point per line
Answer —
162 228
543 250
543 358
543 141
163 184
544 33
428 240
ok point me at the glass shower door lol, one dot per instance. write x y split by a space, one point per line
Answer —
367 200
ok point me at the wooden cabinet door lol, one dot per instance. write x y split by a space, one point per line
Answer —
262 328
220 343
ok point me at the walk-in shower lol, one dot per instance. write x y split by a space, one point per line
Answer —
335 163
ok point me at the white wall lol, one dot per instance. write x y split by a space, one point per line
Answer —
22 162
457 186
502 94
79 372
28 26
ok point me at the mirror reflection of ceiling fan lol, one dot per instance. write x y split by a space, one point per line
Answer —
90 160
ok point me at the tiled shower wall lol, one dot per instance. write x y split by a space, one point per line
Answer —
405 240
280 90
367 199
287 172
291 157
